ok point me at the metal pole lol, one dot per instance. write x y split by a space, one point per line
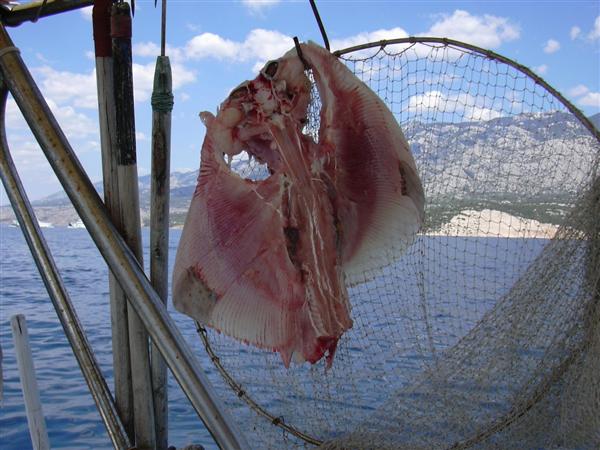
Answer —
108 123
128 212
162 104
57 291
120 258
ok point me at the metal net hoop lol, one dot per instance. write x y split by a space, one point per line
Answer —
412 352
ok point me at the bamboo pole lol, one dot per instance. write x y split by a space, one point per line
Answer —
178 355
31 393
162 104
107 117
57 291
129 218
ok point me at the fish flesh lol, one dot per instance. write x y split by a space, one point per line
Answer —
268 261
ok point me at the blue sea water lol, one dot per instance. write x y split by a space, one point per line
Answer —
71 416
72 419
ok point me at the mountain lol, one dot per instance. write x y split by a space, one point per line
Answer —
528 165
595 119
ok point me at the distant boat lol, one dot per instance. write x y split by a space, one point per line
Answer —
77 224
41 224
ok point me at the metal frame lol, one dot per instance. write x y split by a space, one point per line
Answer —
120 259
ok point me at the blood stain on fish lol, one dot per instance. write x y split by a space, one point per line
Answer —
268 261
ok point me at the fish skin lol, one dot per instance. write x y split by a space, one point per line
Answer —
267 262
380 198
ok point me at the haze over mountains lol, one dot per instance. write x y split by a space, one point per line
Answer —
530 165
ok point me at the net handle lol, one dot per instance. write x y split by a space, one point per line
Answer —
487 53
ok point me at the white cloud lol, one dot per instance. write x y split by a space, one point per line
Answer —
207 45
27 154
486 31
14 119
575 32
260 45
595 33
152 50
139 136
427 100
584 96
590 99
578 90
266 44
146 49
371 36
63 86
143 79
193 27
541 70
86 13
256 5
465 105
552 46
75 124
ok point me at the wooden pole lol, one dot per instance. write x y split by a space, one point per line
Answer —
129 224
107 116
162 105
31 393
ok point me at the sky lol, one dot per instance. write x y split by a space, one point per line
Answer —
215 45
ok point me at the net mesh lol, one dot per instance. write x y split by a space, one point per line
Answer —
486 332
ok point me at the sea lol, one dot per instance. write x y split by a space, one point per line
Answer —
71 416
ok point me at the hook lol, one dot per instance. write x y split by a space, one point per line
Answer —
300 55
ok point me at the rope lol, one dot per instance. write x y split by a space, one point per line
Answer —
162 101
162 94
7 50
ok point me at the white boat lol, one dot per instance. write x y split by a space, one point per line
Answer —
41 224
77 224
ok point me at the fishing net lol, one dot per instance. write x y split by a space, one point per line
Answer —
486 332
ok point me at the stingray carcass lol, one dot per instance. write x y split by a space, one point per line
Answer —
267 261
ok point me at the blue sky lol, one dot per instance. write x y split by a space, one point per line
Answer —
214 45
